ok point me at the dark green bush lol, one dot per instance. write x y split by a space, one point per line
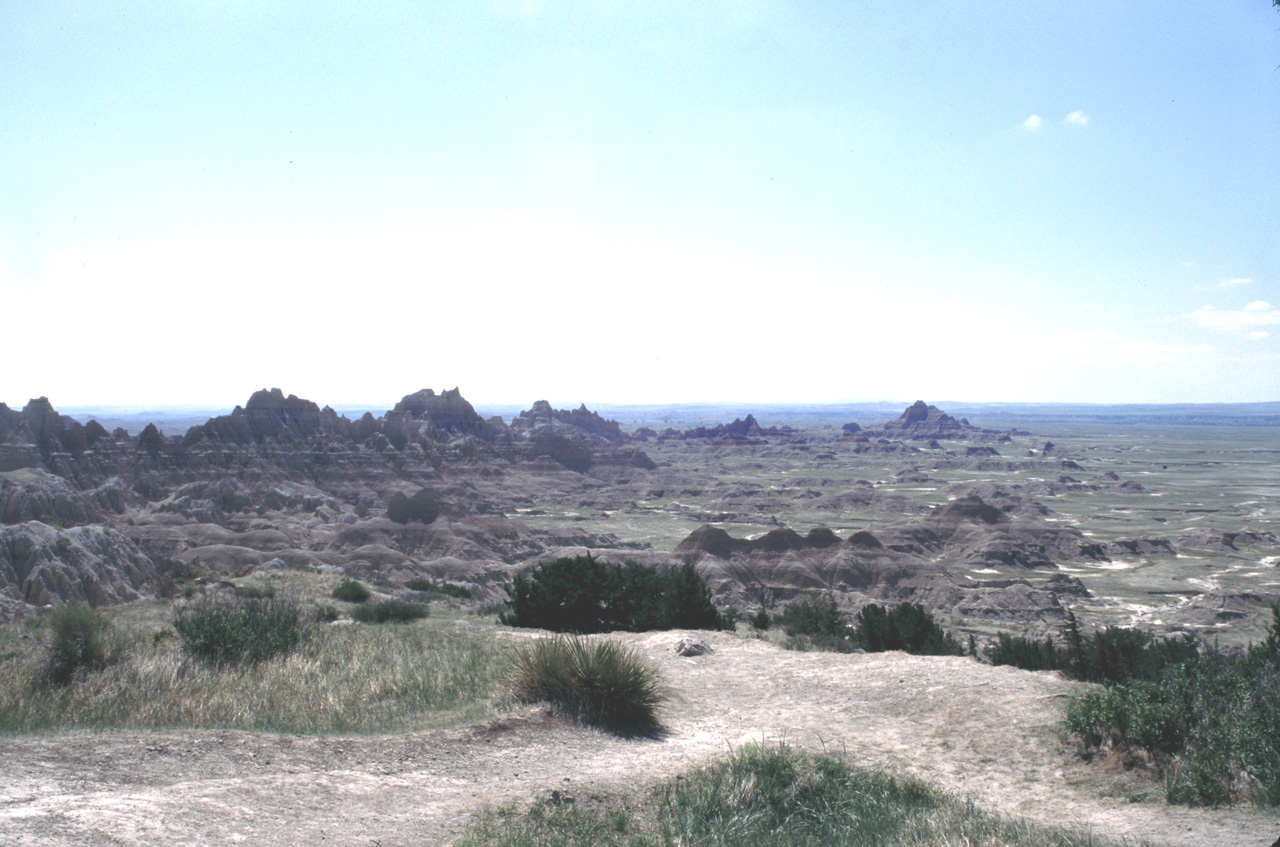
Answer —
225 629
598 682
79 640
1110 655
389 611
350 591
585 595
908 627
760 619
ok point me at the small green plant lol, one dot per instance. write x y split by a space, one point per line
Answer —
326 613
601 682
350 591
79 641
760 620
389 611
225 629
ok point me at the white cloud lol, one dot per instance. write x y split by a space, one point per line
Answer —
1258 335
1234 283
1033 123
1078 118
1088 306
1257 314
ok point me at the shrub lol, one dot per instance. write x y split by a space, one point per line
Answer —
228 630
1110 655
1209 721
597 682
79 640
585 595
760 620
389 611
908 626
350 591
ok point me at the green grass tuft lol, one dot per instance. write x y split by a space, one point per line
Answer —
601 683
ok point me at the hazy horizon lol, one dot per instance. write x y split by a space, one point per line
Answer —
656 202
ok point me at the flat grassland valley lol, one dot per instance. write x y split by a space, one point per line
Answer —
1010 527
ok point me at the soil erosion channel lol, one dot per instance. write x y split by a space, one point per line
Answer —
976 730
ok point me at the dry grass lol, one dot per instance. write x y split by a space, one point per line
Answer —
341 679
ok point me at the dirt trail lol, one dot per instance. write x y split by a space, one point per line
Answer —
972 729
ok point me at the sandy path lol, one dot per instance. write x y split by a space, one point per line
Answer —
976 730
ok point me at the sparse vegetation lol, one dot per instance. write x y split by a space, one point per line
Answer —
768 797
340 679
585 595
223 629
598 682
350 591
390 611
79 642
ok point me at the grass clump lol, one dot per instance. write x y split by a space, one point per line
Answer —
584 595
389 611
601 683
768 797
350 591
80 641
223 629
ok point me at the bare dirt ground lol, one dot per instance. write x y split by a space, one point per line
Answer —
982 732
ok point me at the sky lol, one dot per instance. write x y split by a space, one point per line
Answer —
639 202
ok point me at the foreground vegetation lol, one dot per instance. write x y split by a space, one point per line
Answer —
1206 720
768 797
244 663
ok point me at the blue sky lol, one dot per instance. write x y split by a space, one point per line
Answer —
640 202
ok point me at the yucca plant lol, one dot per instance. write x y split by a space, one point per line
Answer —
79 639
